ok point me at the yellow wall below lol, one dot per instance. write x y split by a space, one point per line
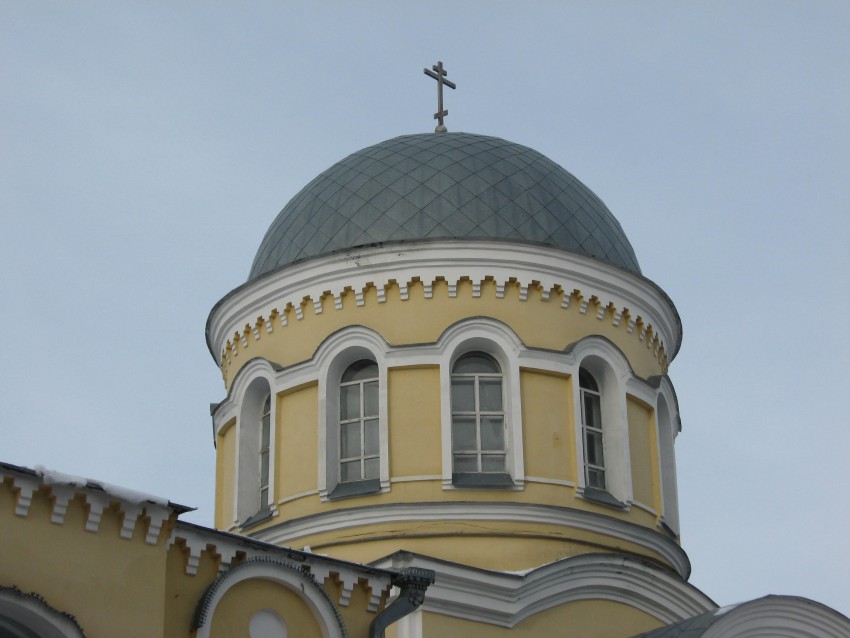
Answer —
643 453
225 475
126 587
113 586
548 426
297 446
584 619
233 615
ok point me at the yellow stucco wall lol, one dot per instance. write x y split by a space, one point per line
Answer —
414 409
415 455
225 474
233 614
642 449
182 590
297 445
587 619
414 419
548 426
505 547
113 586
126 587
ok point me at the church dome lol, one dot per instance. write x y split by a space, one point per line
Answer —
443 186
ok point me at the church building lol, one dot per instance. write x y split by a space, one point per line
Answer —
446 412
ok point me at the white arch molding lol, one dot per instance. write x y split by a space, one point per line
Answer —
254 383
30 616
493 337
612 371
326 615
334 355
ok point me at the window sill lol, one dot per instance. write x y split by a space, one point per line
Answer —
355 488
262 516
603 498
482 479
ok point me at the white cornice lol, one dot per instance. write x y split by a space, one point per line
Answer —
229 547
287 532
138 508
506 599
777 617
451 260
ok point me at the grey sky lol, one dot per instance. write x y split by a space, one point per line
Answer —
146 147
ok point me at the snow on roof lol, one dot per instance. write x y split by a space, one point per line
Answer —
54 477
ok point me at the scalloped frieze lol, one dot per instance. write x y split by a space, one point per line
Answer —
532 291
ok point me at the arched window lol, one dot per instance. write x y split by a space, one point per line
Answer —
667 463
359 448
353 430
255 457
265 442
591 424
478 421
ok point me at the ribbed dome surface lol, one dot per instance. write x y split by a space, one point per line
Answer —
443 186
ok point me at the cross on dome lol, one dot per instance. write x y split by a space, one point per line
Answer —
439 74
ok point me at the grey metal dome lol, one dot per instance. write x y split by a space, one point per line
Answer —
443 186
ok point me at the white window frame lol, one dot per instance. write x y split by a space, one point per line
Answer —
492 337
254 383
667 422
333 358
360 419
588 429
265 452
611 371
477 413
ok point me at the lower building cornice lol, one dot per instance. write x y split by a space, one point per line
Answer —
289 532
506 599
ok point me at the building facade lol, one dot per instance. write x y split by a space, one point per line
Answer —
445 372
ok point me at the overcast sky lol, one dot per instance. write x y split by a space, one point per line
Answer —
145 147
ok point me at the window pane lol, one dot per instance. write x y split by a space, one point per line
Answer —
349 471
371 437
372 469
463 394
586 380
596 478
264 437
370 398
465 463
475 362
349 402
593 443
264 497
360 371
349 440
463 433
592 415
492 462
492 433
490 394
264 469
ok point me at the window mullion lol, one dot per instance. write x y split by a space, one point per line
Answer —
362 450
477 394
